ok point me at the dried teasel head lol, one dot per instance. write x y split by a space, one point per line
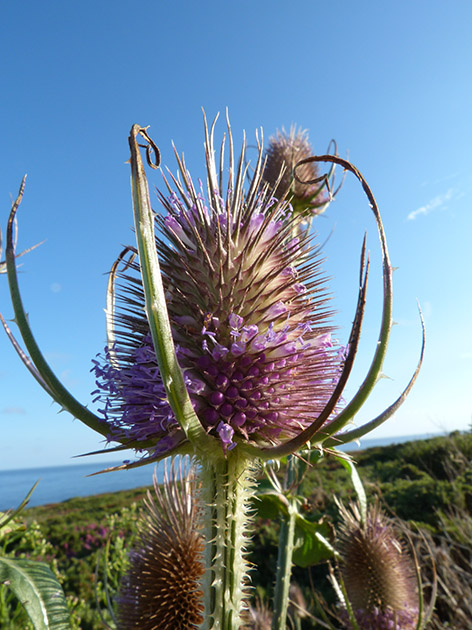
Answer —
160 590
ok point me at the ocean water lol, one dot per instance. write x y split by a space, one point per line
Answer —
59 483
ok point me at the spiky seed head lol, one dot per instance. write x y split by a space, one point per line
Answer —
249 311
377 571
283 153
160 590
258 616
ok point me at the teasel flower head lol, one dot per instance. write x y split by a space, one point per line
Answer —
161 589
249 312
226 344
282 155
377 571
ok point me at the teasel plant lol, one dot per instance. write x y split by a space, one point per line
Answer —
220 343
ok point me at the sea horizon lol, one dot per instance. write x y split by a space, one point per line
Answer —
62 482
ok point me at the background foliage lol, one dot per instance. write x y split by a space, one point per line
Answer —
426 483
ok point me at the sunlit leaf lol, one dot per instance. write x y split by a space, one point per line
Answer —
311 543
38 590
357 483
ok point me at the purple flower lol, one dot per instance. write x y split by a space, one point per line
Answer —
250 320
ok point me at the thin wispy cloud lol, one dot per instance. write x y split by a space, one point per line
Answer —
13 411
441 180
434 204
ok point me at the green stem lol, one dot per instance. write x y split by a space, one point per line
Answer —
284 571
227 486
284 558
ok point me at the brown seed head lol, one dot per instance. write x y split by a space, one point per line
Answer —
161 588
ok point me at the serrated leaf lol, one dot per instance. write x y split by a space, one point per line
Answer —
37 588
311 544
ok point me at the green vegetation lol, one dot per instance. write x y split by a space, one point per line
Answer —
427 483
71 537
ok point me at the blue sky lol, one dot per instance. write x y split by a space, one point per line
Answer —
389 81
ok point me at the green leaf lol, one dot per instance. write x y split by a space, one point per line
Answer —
38 590
9 515
311 545
271 505
357 483
264 485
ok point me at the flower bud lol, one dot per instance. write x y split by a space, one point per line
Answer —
284 152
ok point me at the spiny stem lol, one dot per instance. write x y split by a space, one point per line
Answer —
227 486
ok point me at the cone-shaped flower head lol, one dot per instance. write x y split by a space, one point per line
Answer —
248 308
285 150
160 590
377 571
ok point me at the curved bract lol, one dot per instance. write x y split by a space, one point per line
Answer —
36 361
